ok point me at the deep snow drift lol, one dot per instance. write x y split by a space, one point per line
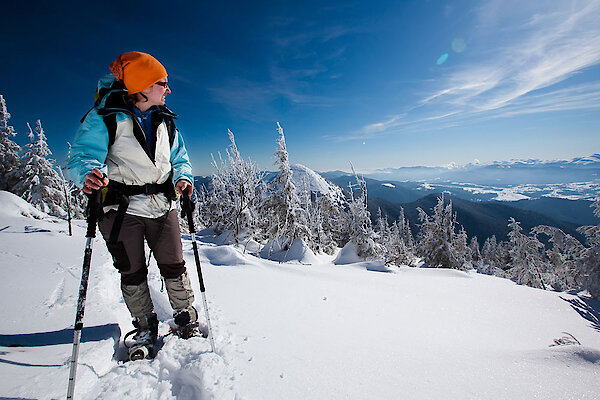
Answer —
287 331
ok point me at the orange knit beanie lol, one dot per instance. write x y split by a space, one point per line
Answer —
137 70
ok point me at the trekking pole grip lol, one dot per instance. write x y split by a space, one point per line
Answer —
188 208
94 209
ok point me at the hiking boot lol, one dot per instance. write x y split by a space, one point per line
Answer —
147 330
186 321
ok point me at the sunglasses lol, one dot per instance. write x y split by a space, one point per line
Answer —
163 84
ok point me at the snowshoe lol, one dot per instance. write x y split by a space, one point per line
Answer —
140 352
144 335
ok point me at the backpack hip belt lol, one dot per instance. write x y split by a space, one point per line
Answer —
118 193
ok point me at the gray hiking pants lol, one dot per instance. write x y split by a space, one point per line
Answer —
129 257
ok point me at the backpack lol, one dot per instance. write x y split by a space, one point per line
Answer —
110 119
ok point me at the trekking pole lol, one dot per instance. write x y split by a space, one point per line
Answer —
188 208
92 218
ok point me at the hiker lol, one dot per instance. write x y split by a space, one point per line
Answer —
128 146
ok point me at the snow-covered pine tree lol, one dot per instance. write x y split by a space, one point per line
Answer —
438 242
285 219
489 257
399 250
318 240
564 258
591 255
236 193
397 241
361 232
460 252
526 257
475 251
9 150
382 229
405 232
329 225
40 184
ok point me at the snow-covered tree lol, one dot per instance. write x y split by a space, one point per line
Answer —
439 244
564 258
400 249
475 251
361 232
9 150
326 224
405 233
490 263
591 255
460 252
39 183
284 218
526 257
236 193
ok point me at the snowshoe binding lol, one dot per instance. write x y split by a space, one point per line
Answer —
144 338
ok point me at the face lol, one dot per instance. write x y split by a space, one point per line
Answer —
156 93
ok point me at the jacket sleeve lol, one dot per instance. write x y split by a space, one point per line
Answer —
180 161
89 149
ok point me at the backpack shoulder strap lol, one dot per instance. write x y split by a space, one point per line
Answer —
171 128
110 121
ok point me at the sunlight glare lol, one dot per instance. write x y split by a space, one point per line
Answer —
458 45
442 59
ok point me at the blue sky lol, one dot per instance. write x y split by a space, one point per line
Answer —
379 83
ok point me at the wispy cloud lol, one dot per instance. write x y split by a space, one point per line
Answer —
303 51
520 52
554 42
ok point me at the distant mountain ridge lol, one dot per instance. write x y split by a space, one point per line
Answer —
475 211
515 172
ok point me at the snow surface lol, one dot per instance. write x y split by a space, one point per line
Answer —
287 331
302 175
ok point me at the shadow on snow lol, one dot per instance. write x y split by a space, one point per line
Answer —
588 308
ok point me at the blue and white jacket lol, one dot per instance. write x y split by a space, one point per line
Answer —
128 160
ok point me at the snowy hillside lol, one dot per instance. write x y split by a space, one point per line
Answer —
303 176
287 331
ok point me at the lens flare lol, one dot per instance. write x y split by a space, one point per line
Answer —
459 45
442 59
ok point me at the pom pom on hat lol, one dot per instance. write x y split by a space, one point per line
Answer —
137 70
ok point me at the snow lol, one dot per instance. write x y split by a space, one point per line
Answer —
287 331
316 183
297 252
